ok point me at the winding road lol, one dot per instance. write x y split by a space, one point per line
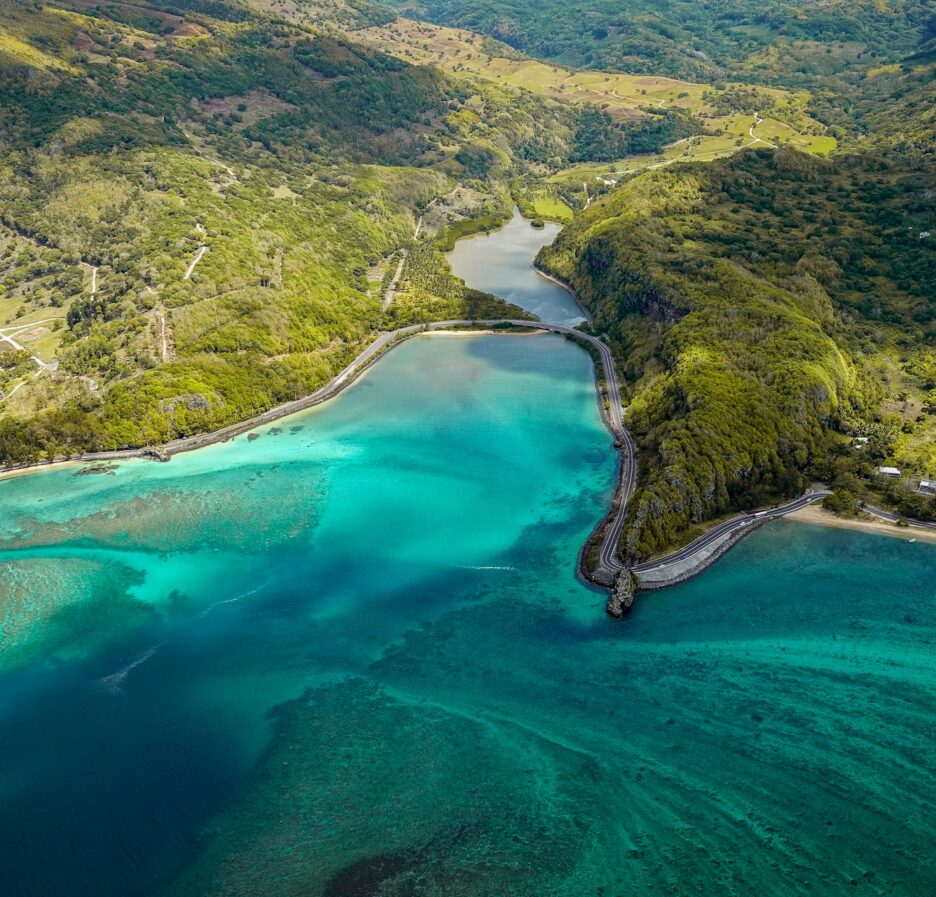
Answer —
608 565
728 527
896 518
754 138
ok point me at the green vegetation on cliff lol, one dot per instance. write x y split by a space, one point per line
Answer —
742 298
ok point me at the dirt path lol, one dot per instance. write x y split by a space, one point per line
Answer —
198 257
19 347
390 295
754 138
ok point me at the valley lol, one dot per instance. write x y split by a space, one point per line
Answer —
440 442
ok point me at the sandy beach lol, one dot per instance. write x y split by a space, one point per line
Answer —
12 473
814 514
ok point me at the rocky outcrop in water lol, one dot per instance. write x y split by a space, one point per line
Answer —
623 594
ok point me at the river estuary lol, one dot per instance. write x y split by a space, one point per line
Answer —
350 657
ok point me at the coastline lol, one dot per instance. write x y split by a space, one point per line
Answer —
561 283
25 470
350 374
597 563
663 578
874 525
333 388
603 574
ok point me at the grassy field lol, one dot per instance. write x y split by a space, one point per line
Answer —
733 116
545 203
620 95
736 134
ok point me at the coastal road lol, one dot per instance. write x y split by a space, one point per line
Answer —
608 565
896 518
717 533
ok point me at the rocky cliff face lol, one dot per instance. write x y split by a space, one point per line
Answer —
623 594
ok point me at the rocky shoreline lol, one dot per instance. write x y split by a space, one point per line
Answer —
700 563
623 595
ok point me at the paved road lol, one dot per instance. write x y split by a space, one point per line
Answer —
729 526
894 518
608 565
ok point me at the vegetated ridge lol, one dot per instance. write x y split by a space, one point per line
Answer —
752 302
202 206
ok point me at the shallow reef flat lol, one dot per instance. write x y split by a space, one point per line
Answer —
752 732
344 659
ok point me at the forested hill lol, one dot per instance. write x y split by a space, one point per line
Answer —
201 206
788 43
767 309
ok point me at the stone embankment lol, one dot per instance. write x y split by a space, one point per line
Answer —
665 575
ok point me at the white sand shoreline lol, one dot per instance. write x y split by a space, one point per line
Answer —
874 525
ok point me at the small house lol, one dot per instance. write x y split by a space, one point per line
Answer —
892 473
927 487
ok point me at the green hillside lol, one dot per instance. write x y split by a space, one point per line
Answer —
788 43
754 304
201 206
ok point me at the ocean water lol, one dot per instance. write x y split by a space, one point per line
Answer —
502 263
350 657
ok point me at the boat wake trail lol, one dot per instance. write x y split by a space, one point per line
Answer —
113 684
492 567
236 598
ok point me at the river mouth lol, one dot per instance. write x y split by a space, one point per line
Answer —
351 656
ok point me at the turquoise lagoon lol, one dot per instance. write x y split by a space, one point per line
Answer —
351 657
